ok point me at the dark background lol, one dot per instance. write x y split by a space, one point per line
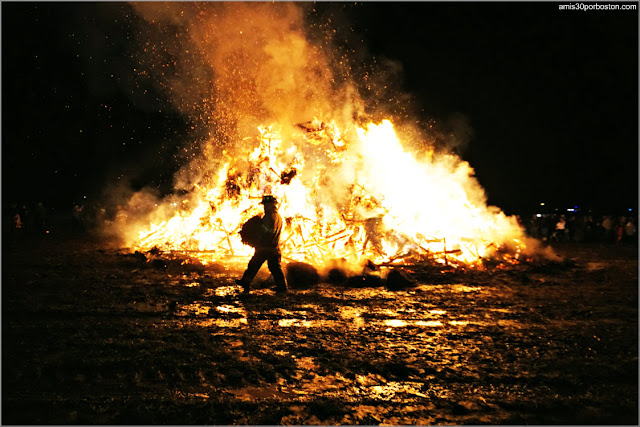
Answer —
551 96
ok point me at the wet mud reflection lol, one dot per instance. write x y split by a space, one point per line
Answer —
354 312
375 345
537 344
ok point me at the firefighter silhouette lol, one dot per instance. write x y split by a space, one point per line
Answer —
264 235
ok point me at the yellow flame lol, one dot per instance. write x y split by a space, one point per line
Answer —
366 198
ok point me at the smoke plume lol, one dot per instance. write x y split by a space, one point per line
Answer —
235 70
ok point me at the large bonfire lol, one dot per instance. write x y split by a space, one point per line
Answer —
289 124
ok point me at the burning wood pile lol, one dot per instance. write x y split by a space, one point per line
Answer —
351 189
355 198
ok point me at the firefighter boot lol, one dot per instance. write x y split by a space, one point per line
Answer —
245 288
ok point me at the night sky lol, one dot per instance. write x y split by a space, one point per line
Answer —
551 97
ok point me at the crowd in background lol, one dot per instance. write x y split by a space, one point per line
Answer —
37 218
578 227
581 228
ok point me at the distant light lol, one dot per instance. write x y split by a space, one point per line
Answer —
630 210
541 204
575 207
571 210
539 215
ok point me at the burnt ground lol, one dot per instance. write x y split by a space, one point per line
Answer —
92 334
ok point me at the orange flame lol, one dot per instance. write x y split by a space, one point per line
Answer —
365 198
347 191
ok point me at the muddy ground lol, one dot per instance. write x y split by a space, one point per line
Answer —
92 334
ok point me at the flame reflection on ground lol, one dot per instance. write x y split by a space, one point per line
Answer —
226 307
